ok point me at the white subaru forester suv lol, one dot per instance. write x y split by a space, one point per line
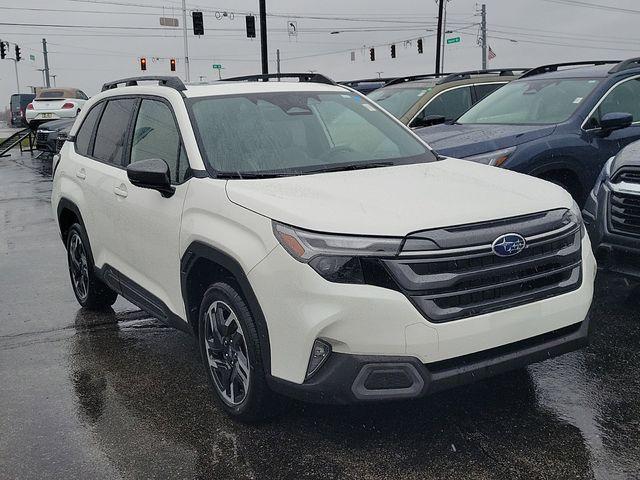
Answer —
312 244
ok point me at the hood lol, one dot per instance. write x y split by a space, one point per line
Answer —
629 156
63 124
461 141
394 201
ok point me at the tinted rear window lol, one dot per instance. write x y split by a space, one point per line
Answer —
51 94
112 131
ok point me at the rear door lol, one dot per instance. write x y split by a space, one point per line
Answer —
101 174
150 223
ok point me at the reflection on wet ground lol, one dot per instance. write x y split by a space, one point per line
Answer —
118 395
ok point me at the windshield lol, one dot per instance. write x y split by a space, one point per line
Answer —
398 101
543 101
299 132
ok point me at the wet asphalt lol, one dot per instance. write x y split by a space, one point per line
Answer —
118 395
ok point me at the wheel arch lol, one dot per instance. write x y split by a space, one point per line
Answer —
564 173
202 265
68 213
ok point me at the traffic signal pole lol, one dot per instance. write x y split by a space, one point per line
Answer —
263 37
439 35
15 64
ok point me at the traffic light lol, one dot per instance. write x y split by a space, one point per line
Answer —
420 45
143 63
172 64
3 50
372 54
198 23
18 57
393 51
251 26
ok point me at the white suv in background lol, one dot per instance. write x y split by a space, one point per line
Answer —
312 244
54 104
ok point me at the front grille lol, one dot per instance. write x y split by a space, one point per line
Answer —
624 213
630 175
454 283
41 137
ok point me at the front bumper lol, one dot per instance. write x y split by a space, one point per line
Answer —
363 320
347 379
614 252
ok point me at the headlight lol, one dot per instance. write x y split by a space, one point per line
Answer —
337 258
574 215
605 174
495 159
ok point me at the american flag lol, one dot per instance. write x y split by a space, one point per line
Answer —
491 54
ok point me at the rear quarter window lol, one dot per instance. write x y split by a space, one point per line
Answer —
83 137
112 131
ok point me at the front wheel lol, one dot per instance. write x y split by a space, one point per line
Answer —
231 353
89 290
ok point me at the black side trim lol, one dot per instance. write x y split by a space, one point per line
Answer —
198 250
141 297
66 204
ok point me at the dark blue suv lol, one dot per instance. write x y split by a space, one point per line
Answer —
559 122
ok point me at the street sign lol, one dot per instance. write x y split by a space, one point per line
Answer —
292 28
453 40
168 21
217 66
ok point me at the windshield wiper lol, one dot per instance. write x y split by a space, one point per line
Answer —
251 175
352 166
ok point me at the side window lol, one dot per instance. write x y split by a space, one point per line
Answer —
450 104
625 98
484 90
112 131
81 95
156 136
83 137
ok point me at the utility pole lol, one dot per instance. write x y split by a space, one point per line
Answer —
187 74
47 80
278 61
439 34
263 36
444 33
54 80
483 33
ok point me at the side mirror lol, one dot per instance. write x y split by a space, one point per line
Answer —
615 121
428 121
153 173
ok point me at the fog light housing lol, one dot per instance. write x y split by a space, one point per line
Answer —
319 354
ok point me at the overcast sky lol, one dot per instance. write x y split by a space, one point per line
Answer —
89 49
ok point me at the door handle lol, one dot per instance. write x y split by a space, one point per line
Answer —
81 174
121 191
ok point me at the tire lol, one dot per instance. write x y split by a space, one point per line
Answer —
89 290
232 355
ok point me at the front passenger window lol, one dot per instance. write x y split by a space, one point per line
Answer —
624 98
156 136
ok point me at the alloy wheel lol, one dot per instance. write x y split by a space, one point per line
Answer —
227 354
78 266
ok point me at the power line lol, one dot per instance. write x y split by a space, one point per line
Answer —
598 6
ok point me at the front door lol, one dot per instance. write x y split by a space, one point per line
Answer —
149 222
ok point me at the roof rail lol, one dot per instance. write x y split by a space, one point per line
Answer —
554 66
350 83
302 77
412 78
502 72
165 81
626 65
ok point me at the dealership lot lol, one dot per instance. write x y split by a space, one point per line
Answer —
118 395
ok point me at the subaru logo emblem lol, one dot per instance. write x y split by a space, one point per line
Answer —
508 245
